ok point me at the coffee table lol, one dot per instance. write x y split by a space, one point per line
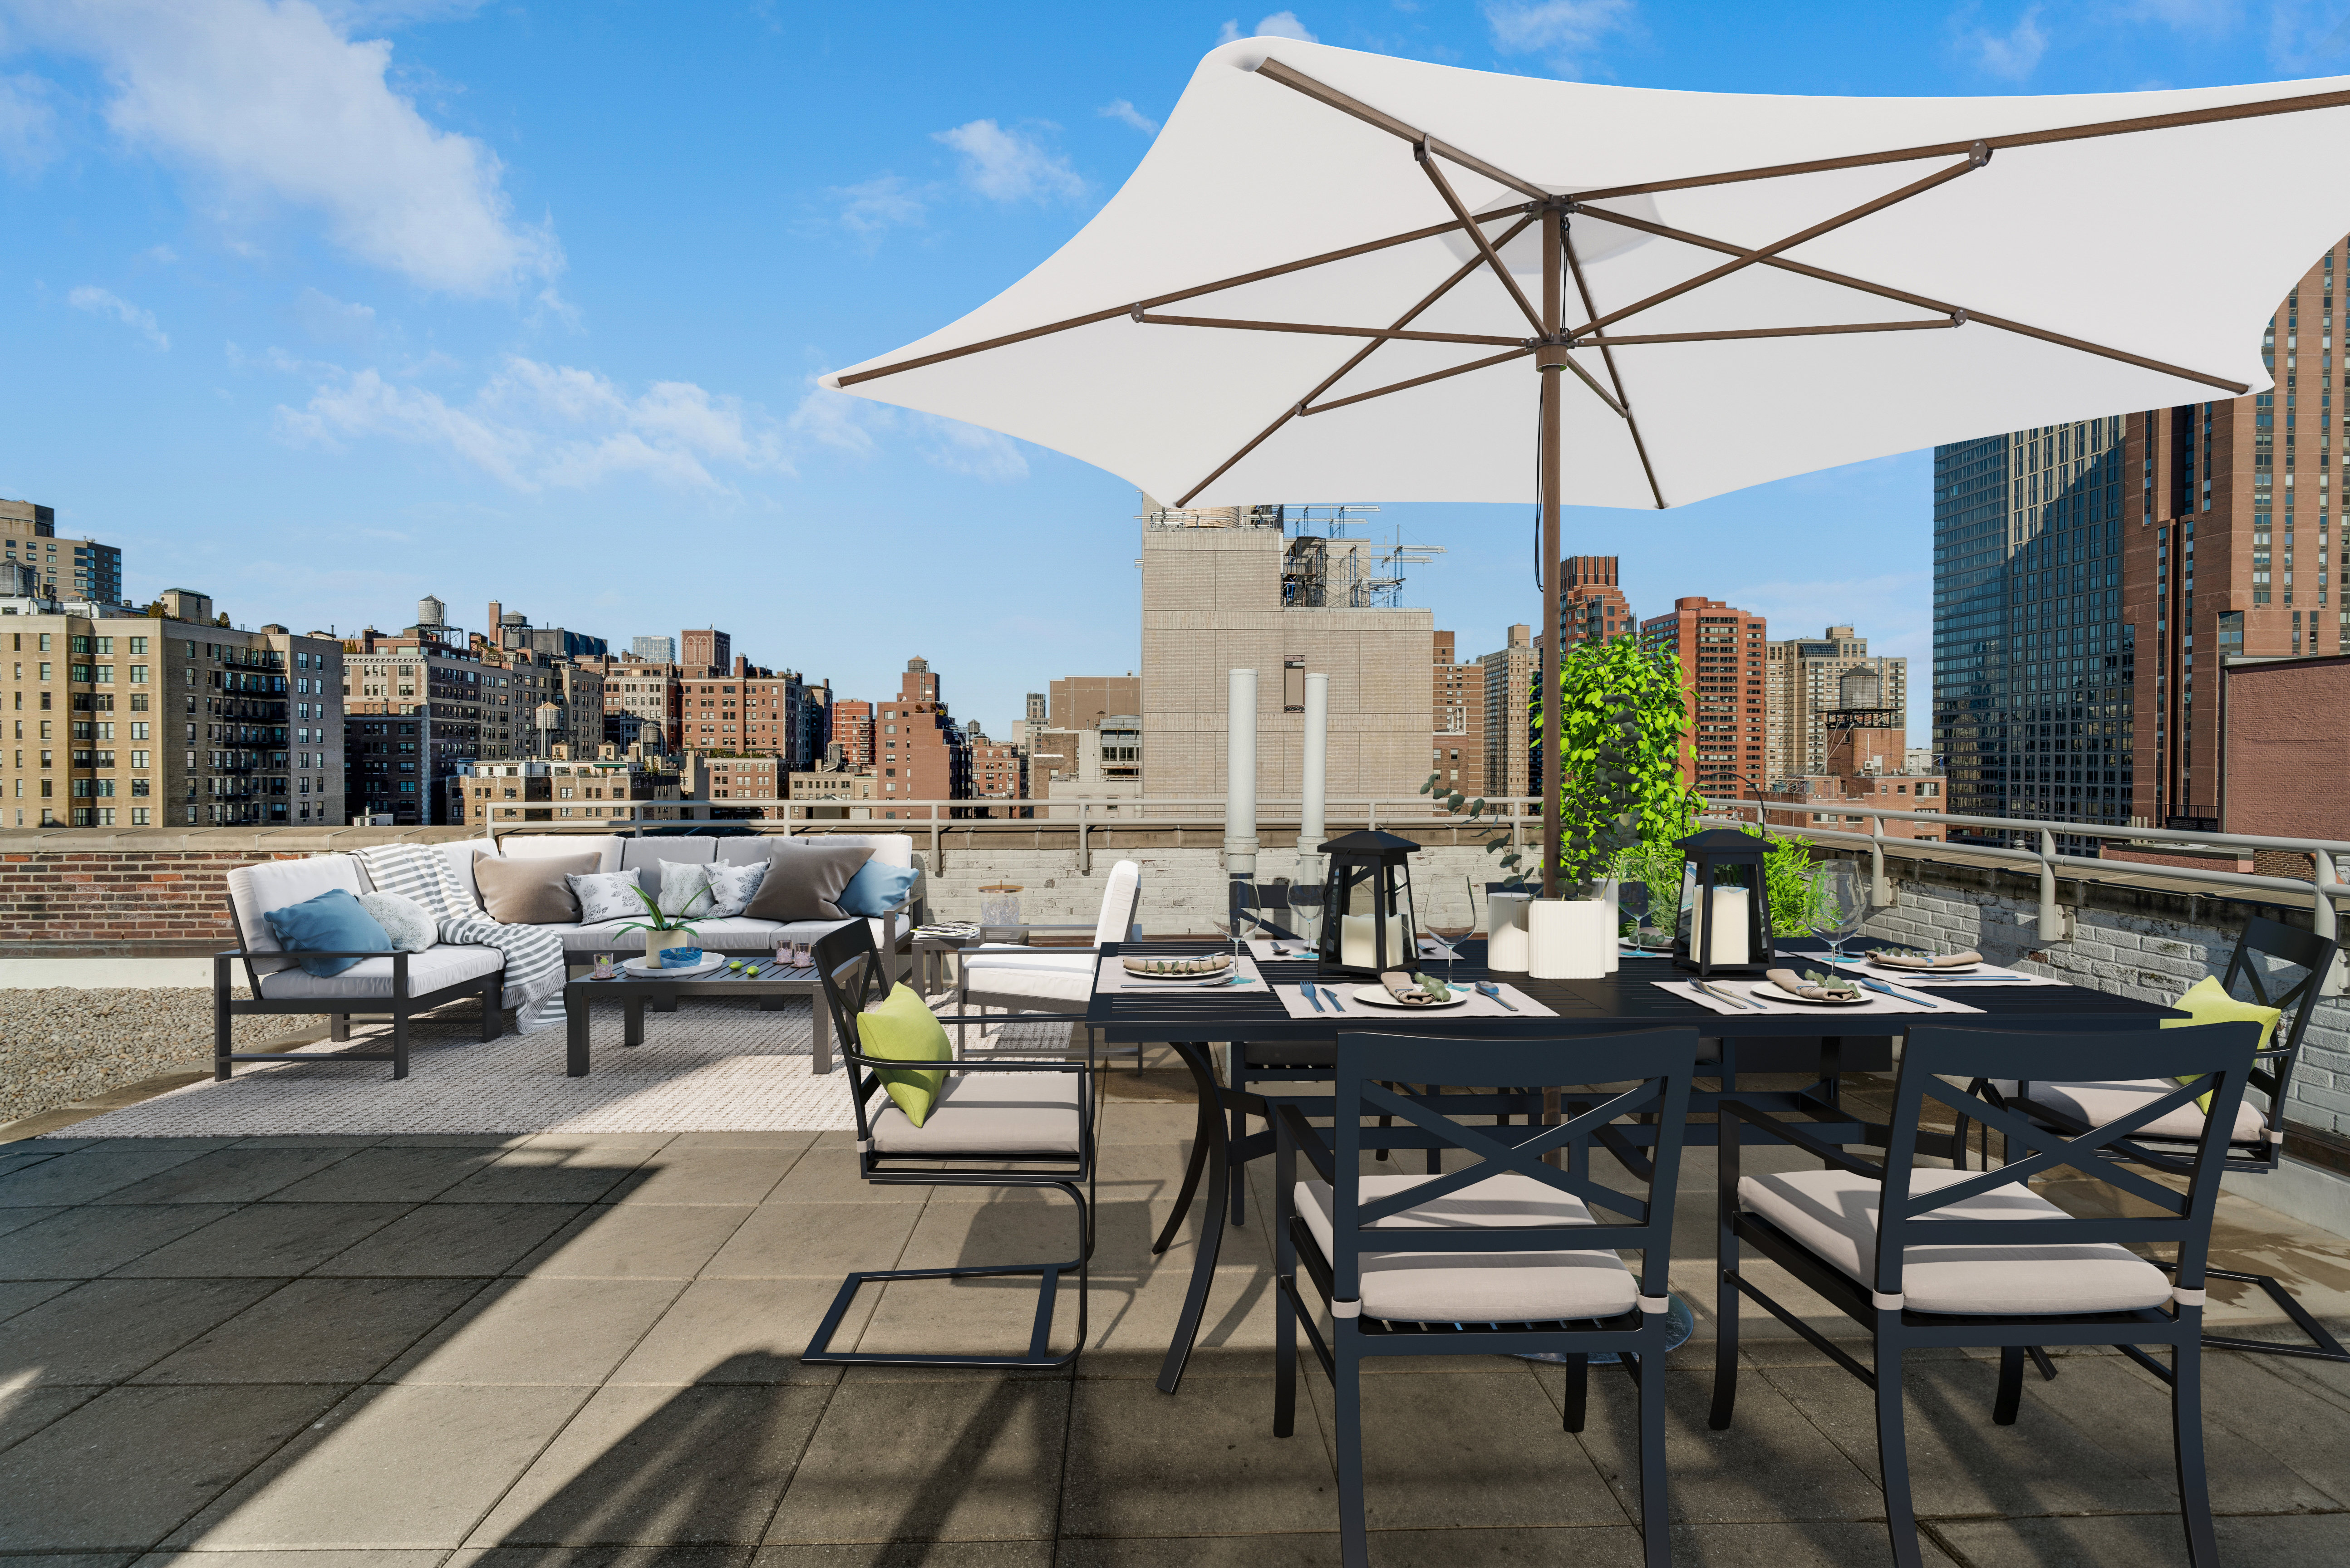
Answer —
763 978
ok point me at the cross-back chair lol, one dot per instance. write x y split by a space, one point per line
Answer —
998 1122
1923 1258
1505 1256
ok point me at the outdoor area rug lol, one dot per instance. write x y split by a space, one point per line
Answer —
717 1064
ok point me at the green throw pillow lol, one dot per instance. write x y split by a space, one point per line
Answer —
2209 1002
902 1029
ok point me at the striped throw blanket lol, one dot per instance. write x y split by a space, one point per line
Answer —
533 969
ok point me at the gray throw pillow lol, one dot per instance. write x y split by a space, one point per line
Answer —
531 890
684 890
802 881
408 924
608 896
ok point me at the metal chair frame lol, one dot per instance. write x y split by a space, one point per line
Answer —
227 1009
1663 1061
2216 1058
851 970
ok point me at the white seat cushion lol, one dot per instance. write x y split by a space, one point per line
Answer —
989 1113
1046 990
1465 1287
433 970
2097 1103
1833 1214
254 891
1034 961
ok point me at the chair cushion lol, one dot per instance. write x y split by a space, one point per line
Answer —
530 889
273 885
1119 903
1046 990
805 882
1833 1214
902 1029
411 926
433 970
333 922
989 1113
2097 1104
1465 1287
1038 961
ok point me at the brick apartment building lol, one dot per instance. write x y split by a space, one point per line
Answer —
1591 607
51 568
997 771
1458 721
1509 738
1720 650
414 706
644 701
1808 679
921 754
852 733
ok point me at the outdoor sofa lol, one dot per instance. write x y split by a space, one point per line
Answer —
403 986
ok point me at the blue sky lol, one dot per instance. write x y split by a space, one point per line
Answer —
320 307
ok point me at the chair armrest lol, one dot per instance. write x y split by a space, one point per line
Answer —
957 1065
1296 1130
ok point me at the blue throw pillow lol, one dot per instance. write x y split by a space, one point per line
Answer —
335 922
876 890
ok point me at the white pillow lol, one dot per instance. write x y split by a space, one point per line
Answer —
680 880
732 888
408 924
606 895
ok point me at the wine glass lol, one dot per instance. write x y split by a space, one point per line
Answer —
1305 914
1838 905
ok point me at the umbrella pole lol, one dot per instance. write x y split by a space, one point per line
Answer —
1548 362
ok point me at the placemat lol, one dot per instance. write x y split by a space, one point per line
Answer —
1480 1005
1877 1006
1431 951
1110 974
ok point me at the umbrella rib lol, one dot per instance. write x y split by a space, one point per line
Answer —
1382 333
2020 139
1364 352
1917 188
1090 317
1331 97
1785 263
1946 321
1608 358
1421 381
1492 256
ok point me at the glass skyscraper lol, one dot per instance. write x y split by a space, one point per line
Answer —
2032 661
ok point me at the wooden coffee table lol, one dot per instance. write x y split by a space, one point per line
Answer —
764 978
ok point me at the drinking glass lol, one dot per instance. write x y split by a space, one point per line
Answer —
1838 905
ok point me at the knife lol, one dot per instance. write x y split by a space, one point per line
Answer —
1925 1002
1741 1003
1336 1005
1305 988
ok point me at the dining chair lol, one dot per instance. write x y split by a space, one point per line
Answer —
1924 1258
1021 979
1504 1256
1002 1122
2268 954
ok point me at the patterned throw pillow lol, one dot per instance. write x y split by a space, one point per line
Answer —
683 885
408 924
608 896
732 888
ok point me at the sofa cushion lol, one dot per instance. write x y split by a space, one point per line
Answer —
460 857
605 847
253 890
636 854
752 849
530 890
805 883
332 926
433 969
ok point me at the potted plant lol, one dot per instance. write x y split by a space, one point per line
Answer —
662 929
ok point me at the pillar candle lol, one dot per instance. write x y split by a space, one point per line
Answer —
1729 908
1357 948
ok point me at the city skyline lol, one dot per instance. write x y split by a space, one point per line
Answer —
314 391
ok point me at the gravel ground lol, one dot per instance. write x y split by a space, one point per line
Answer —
63 1045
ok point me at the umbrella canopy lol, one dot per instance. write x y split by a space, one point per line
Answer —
1333 273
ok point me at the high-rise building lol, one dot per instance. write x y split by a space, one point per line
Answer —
852 732
1509 737
1458 721
1083 701
923 753
64 569
654 649
644 701
512 629
1807 680
1591 607
708 649
1721 652
2034 653
414 703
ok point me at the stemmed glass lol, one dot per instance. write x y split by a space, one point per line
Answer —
1838 905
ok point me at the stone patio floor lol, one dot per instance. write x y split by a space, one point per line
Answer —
411 1351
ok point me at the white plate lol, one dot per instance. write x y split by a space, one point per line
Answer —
1377 996
1921 969
1221 977
644 970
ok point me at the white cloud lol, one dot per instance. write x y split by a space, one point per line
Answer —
857 429
885 202
98 302
1011 165
1564 31
1126 113
29 136
1280 25
276 100
2014 54
532 426
328 320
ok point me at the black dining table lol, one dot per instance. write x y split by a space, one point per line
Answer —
1270 1043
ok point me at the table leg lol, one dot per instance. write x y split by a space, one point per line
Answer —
1212 1228
575 1006
633 1032
820 1033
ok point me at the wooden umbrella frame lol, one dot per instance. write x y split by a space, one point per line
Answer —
1551 341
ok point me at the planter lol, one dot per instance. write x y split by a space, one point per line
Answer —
656 941
1569 939
1505 932
1611 893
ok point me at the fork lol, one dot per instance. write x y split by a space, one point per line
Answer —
1306 989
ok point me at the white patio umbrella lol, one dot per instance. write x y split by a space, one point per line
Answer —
1333 272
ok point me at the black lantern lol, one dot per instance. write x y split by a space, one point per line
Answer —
1725 918
1367 926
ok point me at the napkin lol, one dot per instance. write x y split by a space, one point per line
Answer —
1411 990
1789 980
1921 960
